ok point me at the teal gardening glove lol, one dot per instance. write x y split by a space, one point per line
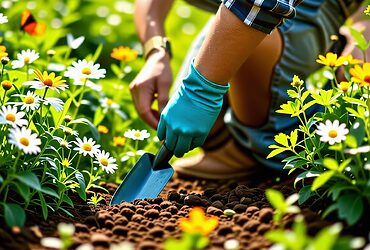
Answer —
190 113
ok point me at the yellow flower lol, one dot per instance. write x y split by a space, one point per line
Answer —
344 86
119 141
296 81
361 74
3 52
45 80
331 60
367 11
103 129
66 163
123 53
350 60
6 84
198 223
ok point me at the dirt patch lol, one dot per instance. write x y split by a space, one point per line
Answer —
146 223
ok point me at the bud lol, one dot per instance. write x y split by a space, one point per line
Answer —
67 118
64 144
6 84
5 60
51 52
67 131
296 81
103 129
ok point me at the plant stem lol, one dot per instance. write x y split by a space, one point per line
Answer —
79 100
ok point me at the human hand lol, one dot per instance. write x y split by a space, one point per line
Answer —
191 112
152 82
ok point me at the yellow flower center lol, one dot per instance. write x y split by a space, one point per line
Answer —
10 117
367 78
109 102
24 141
86 147
137 134
48 82
104 161
65 163
119 141
86 71
333 133
332 64
29 100
26 60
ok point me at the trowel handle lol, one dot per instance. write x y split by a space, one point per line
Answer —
162 157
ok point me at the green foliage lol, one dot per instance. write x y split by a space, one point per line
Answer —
297 238
282 206
330 146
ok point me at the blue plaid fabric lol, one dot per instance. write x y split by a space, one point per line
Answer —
263 15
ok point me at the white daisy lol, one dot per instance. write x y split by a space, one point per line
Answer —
24 140
56 103
3 18
30 101
57 67
46 80
137 134
108 103
10 115
25 57
106 162
85 70
332 132
74 43
90 84
86 146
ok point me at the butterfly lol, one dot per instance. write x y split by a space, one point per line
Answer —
29 24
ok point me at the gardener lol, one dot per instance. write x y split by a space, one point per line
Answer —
233 47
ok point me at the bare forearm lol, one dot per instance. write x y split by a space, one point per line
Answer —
228 44
150 16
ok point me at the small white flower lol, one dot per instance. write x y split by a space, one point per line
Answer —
106 162
74 43
86 146
25 57
57 67
63 143
332 132
137 134
130 154
24 140
3 18
90 84
56 103
10 115
83 69
231 244
108 103
30 101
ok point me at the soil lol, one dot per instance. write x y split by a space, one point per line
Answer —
146 223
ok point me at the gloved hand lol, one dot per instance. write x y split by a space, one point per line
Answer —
190 113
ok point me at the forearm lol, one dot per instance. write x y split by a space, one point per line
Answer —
150 16
227 45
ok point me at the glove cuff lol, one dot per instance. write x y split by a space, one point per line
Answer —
203 91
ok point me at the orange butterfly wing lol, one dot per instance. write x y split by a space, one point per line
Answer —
29 24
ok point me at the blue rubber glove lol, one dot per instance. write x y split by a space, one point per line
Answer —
190 113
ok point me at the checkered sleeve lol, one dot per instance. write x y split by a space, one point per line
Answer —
263 15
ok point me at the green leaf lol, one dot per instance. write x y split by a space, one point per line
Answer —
344 164
360 39
117 71
331 163
23 190
306 174
98 116
14 215
304 194
1 179
29 179
44 207
292 93
326 238
276 199
276 152
322 179
82 186
67 200
351 141
282 139
85 121
49 191
350 207
293 137
97 53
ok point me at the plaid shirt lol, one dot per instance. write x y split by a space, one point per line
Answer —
263 15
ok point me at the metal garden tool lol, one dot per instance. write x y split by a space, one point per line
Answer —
147 178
